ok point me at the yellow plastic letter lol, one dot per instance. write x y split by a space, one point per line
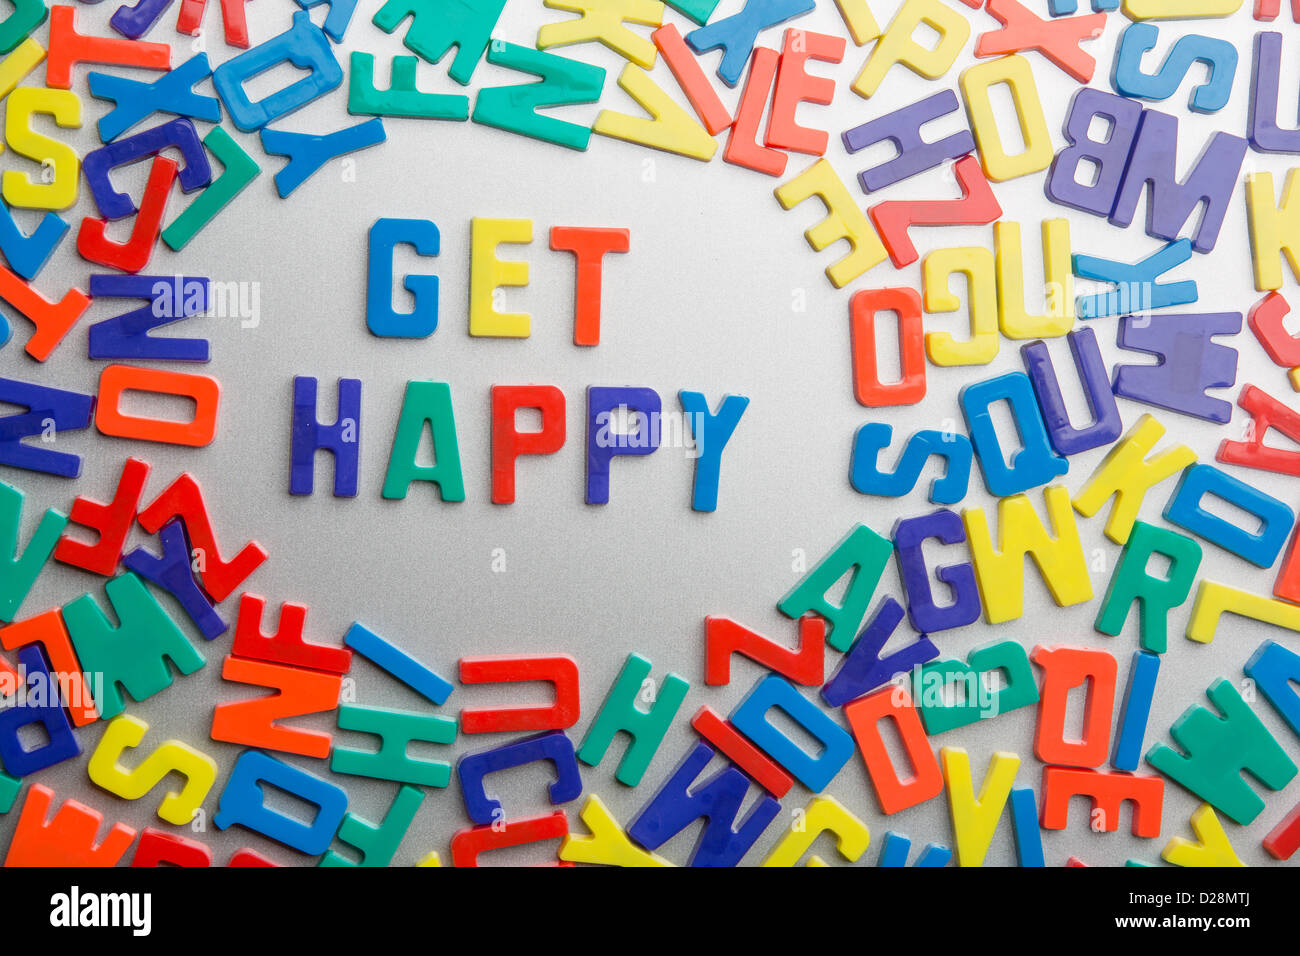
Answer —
844 220
602 21
975 819
1000 574
488 273
821 814
1211 847
860 21
26 57
1016 73
898 45
1213 600
1274 229
1127 474
1058 273
608 844
669 128
1179 9
60 191
171 756
977 265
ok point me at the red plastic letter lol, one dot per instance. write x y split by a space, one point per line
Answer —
252 723
739 750
1269 9
113 521
867 387
233 19
1265 320
742 143
247 857
1266 412
701 94
1108 791
1284 839
588 247
977 207
894 792
68 839
184 499
68 48
508 443
197 432
133 255
1064 669
806 664
49 631
157 847
52 319
560 670
285 645
1057 39
794 85
468 845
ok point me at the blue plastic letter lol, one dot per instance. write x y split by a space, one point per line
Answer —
303 45
243 802
381 318
1136 289
1219 56
675 807
1106 425
863 669
342 439
173 573
736 34
1035 463
473 767
712 431
398 663
308 152
170 299
604 443
50 411
873 437
1135 710
1261 547
925 615
814 772
171 93
42 705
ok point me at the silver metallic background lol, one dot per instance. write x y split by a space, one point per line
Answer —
705 300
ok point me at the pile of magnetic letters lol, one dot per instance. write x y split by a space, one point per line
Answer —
887 704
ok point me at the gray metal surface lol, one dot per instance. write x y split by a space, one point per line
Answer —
719 293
